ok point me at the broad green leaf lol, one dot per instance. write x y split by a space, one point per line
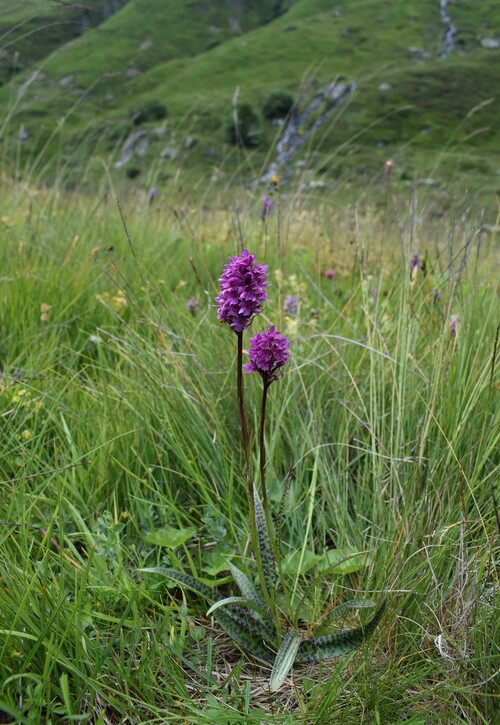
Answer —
170 537
265 546
317 649
343 561
293 562
284 660
215 562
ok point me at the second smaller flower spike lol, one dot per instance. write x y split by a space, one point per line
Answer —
243 286
269 352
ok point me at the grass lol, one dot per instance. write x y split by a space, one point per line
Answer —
119 420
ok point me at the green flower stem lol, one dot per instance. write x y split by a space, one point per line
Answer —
241 408
262 454
248 458
262 450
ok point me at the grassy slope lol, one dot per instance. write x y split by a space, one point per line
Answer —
368 43
30 30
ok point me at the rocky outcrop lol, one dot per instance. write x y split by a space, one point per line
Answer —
302 123
450 30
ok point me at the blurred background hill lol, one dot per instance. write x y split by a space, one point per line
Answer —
202 90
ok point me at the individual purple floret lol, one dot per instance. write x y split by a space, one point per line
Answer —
291 306
269 352
242 291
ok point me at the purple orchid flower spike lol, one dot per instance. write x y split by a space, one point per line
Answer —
269 352
242 291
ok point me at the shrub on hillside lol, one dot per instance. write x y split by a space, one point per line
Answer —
150 111
278 104
241 129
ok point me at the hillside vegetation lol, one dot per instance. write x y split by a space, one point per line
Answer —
178 68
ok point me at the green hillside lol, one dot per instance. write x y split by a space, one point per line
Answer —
172 71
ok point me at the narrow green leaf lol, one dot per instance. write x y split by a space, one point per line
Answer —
284 660
249 592
342 609
185 580
241 601
170 537
245 586
317 649
284 500
236 629
265 547
261 626
250 634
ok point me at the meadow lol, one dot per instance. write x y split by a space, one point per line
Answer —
121 451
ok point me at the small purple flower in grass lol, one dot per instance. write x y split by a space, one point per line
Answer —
269 352
267 205
193 306
152 194
242 291
454 325
291 306
414 267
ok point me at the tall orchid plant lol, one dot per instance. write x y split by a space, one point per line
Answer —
253 619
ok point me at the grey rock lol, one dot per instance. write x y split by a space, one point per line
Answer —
136 144
169 152
419 53
160 131
23 135
190 143
490 43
